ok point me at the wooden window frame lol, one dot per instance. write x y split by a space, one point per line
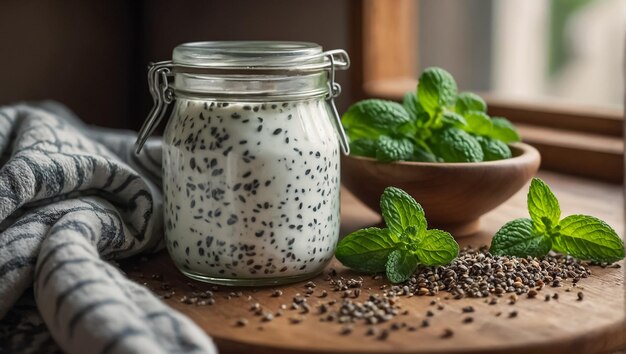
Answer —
576 140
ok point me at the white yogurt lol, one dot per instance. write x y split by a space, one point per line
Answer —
251 190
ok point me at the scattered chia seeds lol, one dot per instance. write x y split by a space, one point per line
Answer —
376 309
447 333
371 331
384 334
305 308
295 320
468 309
396 326
345 330
474 274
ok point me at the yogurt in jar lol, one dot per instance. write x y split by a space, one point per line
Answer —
251 190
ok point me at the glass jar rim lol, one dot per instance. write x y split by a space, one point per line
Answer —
260 68
249 55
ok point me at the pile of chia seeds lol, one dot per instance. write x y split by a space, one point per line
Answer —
476 273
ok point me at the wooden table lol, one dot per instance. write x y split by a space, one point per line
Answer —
595 325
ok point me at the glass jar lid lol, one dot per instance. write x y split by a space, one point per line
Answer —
249 55
250 70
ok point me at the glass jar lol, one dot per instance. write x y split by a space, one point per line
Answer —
250 159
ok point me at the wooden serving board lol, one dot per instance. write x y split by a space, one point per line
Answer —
595 325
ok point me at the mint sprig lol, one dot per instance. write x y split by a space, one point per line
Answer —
581 236
401 247
433 124
543 206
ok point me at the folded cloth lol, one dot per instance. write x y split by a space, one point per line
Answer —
73 198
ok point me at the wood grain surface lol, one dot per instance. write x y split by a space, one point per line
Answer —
595 325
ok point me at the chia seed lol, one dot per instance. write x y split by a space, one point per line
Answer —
468 309
447 333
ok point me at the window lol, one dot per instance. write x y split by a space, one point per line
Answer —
553 67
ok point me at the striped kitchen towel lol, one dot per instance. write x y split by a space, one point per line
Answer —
73 198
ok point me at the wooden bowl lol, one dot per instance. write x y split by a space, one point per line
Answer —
453 195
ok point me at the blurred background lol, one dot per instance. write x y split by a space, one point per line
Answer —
567 50
554 67
92 55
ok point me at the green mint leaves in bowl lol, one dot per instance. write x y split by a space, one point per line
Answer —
439 145
433 124
398 249
581 236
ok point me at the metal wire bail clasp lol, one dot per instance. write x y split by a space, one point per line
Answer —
342 62
162 95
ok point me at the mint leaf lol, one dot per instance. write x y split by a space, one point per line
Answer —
436 248
468 101
389 149
543 206
493 149
363 147
478 123
452 119
414 107
455 145
581 236
409 237
504 130
366 250
407 130
436 90
518 238
373 117
400 266
423 155
587 237
399 249
400 211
